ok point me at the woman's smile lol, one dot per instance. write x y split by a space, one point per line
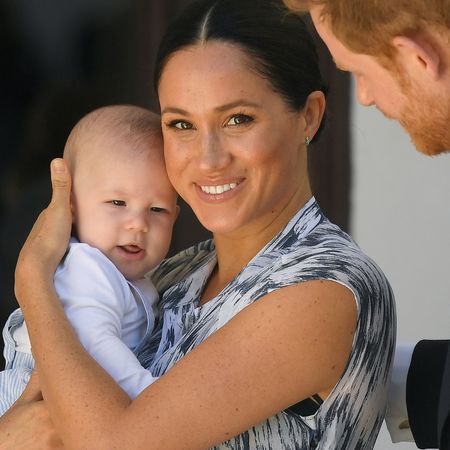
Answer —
236 154
219 189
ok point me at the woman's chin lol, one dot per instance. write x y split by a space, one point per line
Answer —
219 224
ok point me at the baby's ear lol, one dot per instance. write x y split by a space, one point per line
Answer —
73 232
72 207
177 213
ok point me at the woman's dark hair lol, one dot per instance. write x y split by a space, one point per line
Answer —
275 39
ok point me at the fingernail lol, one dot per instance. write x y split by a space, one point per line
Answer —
57 166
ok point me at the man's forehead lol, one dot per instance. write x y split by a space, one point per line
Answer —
342 56
321 23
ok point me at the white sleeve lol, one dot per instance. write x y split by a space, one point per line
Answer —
95 297
397 414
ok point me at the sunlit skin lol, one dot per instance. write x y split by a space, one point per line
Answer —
240 142
123 203
415 98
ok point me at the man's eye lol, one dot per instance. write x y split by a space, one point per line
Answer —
118 203
239 119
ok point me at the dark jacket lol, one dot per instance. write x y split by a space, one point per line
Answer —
428 394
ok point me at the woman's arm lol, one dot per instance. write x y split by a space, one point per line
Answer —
239 376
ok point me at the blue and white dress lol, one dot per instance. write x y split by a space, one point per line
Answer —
308 248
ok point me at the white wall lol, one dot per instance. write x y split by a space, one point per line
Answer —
401 217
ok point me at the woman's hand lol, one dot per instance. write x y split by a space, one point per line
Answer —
27 425
49 237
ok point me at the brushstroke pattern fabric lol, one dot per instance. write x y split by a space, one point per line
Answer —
308 248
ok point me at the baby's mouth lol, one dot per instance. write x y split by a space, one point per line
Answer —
131 249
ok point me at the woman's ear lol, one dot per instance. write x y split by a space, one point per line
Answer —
419 52
313 112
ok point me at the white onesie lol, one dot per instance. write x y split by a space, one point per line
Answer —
110 315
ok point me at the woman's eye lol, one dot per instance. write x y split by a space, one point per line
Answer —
118 203
239 119
180 125
157 209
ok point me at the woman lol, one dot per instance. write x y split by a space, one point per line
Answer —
280 307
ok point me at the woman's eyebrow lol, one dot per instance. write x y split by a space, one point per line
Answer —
240 102
221 108
174 110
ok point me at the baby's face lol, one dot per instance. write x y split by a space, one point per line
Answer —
125 206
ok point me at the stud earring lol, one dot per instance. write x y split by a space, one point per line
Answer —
307 141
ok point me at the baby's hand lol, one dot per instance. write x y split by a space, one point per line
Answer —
49 237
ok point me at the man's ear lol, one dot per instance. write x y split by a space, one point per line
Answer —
419 50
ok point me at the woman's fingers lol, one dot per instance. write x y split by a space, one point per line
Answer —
58 220
28 426
32 392
49 237
60 184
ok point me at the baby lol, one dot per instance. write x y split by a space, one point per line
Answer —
124 208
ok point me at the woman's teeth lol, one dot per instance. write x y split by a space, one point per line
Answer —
218 189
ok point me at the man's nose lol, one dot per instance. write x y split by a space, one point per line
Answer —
364 95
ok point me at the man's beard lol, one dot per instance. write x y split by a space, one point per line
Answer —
427 122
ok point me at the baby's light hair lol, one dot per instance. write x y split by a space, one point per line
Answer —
132 124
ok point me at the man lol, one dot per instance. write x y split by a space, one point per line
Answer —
399 53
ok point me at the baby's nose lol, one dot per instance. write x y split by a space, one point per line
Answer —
138 222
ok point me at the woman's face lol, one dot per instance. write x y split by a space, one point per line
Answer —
234 150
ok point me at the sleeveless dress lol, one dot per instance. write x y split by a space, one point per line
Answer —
308 248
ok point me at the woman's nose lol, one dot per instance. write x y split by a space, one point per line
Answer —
213 153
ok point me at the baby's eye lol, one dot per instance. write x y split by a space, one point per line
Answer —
239 119
180 125
157 209
118 203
